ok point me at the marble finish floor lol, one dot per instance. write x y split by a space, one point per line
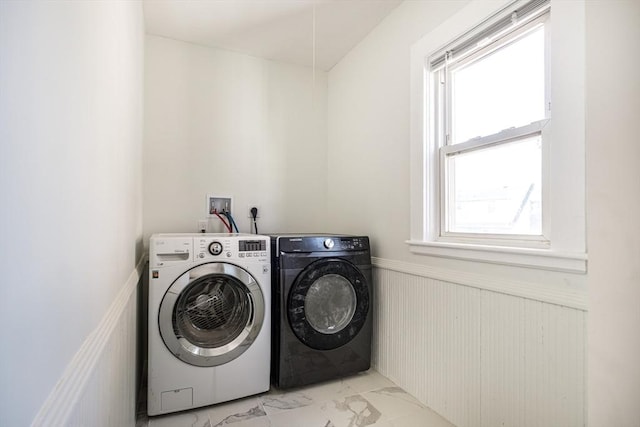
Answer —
365 399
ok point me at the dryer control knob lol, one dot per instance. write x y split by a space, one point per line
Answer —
328 243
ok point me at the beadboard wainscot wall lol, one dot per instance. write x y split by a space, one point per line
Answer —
478 350
98 387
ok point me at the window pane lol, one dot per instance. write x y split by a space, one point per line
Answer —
501 90
497 189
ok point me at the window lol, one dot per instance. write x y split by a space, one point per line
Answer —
490 108
497 173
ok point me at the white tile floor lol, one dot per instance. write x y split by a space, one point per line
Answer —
365 399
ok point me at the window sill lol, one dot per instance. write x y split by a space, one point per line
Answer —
544 259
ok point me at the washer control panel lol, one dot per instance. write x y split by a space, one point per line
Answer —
232 248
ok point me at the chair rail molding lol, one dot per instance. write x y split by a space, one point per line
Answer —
550 293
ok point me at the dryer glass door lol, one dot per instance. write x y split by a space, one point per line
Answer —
328 303
211 314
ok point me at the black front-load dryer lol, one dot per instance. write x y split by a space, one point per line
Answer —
322 308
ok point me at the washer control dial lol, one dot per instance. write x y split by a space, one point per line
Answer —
215 248
328 243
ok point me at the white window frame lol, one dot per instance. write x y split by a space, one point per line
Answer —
562 244
442 132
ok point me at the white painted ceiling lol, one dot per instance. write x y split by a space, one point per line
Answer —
280 30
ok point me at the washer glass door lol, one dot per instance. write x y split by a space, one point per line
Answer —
211 314
328 303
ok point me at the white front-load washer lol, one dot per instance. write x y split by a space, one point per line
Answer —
209 319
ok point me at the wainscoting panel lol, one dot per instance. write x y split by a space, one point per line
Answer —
478 357
533 363
109 398
427 340
98 387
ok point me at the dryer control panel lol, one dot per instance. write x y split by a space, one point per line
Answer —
326 243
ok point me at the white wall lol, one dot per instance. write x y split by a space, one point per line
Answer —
368 137
613 206
229 124
70 184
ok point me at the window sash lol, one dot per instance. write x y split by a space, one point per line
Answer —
445 94
504 137
442 97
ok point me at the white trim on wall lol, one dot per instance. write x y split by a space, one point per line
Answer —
61 404
553 294
572 262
